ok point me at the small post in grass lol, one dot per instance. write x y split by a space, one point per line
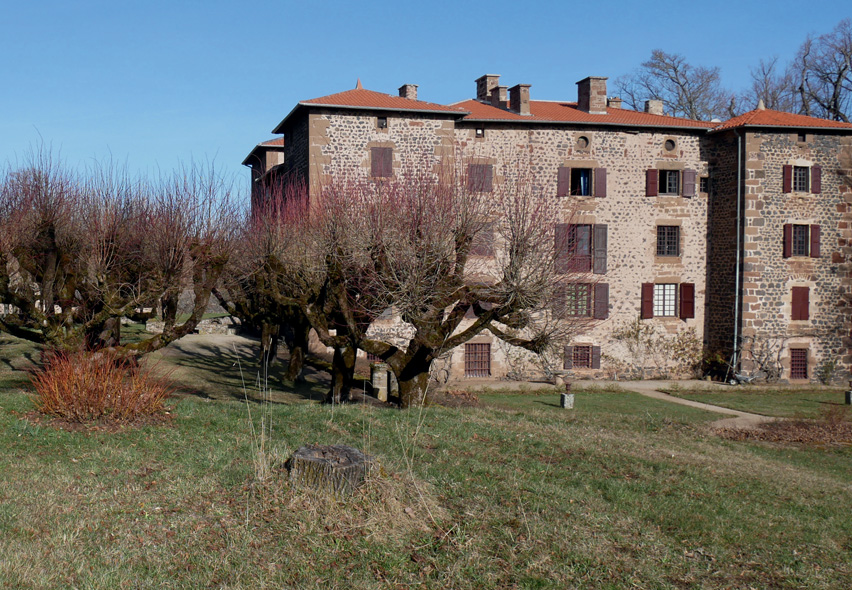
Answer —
379 378
567 399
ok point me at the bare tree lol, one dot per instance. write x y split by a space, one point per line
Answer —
688 91
776 88
823 73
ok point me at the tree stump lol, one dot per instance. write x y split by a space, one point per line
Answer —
335 469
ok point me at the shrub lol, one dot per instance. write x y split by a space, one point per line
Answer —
87 386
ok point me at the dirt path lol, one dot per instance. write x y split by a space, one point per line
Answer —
738 418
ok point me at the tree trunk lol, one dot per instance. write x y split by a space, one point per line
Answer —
269 334
105 335
413 384
296 334
342 374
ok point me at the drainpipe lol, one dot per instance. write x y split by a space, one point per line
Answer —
738 271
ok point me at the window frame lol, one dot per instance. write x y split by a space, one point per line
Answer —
672 181
801 179
665 299
480 178
477 360
381 122
799 366
667 242
383 167
576 294
581 353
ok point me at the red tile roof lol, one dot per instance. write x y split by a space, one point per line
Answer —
770 118
543 111
360 97
278 141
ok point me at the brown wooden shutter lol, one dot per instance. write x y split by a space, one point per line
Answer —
689 183
788 178
816 179
815 237
600 182
568 358
488 178
687 300
376 162
647 301
801 303
788 240
563 182
560 248
599 250
557 305
596 357
652 180
601 301
474 177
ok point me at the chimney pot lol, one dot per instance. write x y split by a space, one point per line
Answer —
613 103
484 85
591 95
519 98
654 107
408 91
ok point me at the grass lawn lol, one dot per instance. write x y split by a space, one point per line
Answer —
621 492
804 402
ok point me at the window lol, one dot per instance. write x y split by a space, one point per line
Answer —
801 240
581 300
801 137
480 132
704 184
582 142
669 182
480 178
665 302
798 363
800 308
580 248
373 358
578 300
381 162
668 300
670 145
382 122
483 241
582 356
477 360
668 240
582 182
802 179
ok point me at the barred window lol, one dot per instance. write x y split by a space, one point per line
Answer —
578 299
801 179
582 357
477 360
798 363
801 240
668 240
665 300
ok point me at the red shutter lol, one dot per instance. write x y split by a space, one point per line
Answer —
652 180
689 183
801 303
788 240
387 162
596 357
788 178
568 358
488 178
687 301
816 179
601 301
560 248
647 301
599 249
600 182
815 231
376 162
563 182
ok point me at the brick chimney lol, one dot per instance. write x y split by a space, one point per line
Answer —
591 95
613 103
519 99
499 97
408 91
484 85
654 107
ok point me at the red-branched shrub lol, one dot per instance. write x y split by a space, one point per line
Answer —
87 386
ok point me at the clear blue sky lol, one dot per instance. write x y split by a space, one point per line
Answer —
157 83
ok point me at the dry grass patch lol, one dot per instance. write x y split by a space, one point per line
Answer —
834 427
